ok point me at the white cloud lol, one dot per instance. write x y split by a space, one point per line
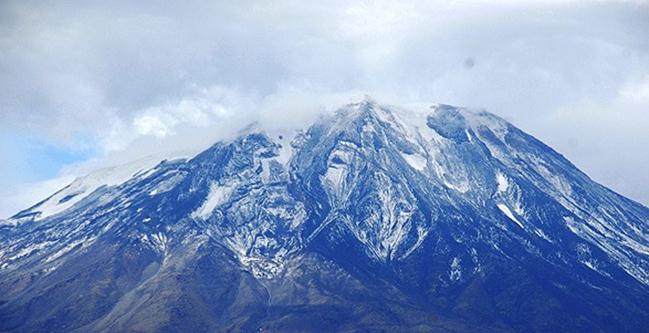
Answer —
135 77
637 92
152 125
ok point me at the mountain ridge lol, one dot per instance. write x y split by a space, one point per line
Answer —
422 216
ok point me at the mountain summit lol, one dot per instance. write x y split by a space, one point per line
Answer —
375 218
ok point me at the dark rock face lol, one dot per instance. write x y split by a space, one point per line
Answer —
374 219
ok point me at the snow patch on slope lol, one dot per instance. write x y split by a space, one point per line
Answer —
81 187
217 196
455 273
416 161
503 208
503 184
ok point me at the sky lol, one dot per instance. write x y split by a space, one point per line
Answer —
89 84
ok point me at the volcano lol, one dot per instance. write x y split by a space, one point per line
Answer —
375 218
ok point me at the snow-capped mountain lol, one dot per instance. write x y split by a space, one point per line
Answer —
373 218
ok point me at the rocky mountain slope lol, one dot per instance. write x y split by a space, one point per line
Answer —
375 218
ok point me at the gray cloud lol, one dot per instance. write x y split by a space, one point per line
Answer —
136 76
